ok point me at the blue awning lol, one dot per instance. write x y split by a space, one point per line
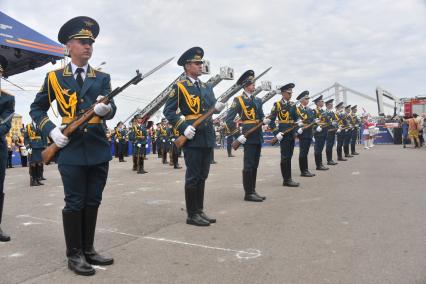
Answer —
24 48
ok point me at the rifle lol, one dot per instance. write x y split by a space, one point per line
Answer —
236 144
181 140
275 139
81 121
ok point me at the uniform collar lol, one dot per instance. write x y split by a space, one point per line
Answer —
74 67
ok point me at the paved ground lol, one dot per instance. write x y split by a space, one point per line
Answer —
361 222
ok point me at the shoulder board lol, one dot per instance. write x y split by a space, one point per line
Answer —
98 71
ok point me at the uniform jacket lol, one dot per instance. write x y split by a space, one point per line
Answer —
33 137
250 111
192 103
307 115
284 113
88 146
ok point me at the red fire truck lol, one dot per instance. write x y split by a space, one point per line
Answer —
414 105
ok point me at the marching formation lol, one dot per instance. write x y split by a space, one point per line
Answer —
83 160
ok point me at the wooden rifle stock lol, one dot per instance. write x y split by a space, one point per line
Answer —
236 144
275 139
49 153
181 140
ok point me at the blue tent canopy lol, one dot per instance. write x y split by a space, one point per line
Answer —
24 48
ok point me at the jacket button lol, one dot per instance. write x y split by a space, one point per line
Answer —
82 100
85 129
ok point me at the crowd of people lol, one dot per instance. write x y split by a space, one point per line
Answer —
413 130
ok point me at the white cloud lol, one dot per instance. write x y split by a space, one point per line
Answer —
361 44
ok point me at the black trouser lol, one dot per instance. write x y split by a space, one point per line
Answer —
229 141
331 137
304 145
121 149
9 159
197 161
83 185
340 140
319 146
154 147
164 151
347 141
287 149
354 137
24 161
175 154
3 162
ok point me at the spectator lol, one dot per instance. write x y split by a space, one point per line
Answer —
420 122
19 142
9 151
413 131
404 125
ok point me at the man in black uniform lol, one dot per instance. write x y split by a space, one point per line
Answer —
320 133
306 115
120 139
340 132
347 131
285 111
162 136
83 161
7 108
35 142
331 132
355 131
250 110
194 98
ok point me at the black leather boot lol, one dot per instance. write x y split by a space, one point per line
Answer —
38 174
286 173
330 158
346 150
248 187
135 165
200 202
305 172
192 207
42 172
73 238
318 162
3 236
254 184
141 168
33 179
90 215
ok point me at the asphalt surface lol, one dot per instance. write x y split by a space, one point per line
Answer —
363 221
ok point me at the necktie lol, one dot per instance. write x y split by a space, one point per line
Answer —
197 85
79 78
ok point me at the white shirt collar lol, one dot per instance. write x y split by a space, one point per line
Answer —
74 68
192 79
247 94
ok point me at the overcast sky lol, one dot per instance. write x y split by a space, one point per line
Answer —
360 44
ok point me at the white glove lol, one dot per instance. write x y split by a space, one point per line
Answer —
313 139
139 145
116 140
173 139
299 123
102 109
30 151
279 136
242 139
317 120
60 139
266 121
300 131
334 123
219 106
190 132
339 130
319 129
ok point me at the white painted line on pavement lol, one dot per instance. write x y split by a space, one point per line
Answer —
240 254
